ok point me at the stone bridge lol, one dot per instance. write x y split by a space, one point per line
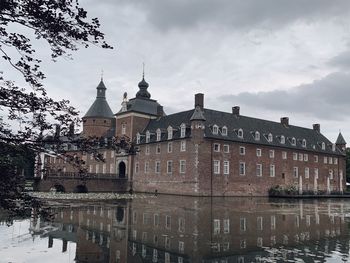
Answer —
71 182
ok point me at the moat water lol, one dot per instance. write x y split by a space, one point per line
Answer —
183 229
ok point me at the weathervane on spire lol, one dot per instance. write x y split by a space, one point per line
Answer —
101 74
143 70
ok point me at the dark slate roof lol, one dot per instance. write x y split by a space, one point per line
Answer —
197 115
141 105
100 107
249 126
340 139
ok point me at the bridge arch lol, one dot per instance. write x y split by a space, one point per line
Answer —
58 188
80 189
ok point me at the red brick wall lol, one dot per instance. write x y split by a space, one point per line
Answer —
96 126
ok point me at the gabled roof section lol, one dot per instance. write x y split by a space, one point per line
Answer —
340 139
100 107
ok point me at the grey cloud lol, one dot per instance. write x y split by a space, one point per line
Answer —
327 98
341 60
169 14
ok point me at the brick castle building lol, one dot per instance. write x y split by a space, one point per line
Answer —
201 152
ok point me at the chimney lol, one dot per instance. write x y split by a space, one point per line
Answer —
285 121
199 100
57 131
71 129
235 110
316 127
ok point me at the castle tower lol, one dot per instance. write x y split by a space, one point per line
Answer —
99 119
197 118
341 143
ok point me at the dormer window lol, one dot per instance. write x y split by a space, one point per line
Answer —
283 139
240 133
159 134
215 129
303 143
183 130
257 136
270 137
170 133
323 146
333 147
294 141
138 138
148 136
224 131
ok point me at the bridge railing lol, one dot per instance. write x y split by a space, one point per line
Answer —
69 175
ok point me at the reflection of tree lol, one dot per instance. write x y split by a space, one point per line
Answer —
64 26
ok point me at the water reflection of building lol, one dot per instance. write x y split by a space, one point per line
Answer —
186 229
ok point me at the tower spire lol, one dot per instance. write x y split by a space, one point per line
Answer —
143 70
101 74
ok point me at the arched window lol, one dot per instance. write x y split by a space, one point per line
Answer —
215 129
224 131
257 136
159 134
138 138
148 136
270 137
170 133
183 130
294 141
240 133
303 143
283 139
323 145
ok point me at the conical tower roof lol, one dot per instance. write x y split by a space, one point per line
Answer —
197 114
100 107
340 139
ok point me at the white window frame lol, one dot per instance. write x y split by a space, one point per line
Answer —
224 131
138 138
257 136
216 147
148 136
241 150
258 152
307 172
240 134
323 146
306 157
216 166
170 147
272 153
283 139
259 169
226 167
170 133
242 167
183 146
295 172
284 155
215 129
183 130
123 128
158 135
182 166
226 148
316 158
293 141
295 156
272 170
169 167
146 168
158 148
157 167
303 143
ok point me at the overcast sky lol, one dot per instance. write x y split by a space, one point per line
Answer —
273 58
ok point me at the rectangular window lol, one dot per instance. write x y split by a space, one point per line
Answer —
97 169
111 168
216 164
157 167
136 168
156 220
158 149
284 155
241 168
316 158
335 160
242 224
226 167
146 167
123 128
306 157
295 171
182 166
104 168
183 146
226 226
181 224
183 131
307 172
325 159
295 157
169 167
216 226
301 157
258 169
273 222
242 150
226 148
90 168
331 174
316 173
272 153
112 154
216 147
168 222
147 150
181 247
258 152
330 160
272 170
170 147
